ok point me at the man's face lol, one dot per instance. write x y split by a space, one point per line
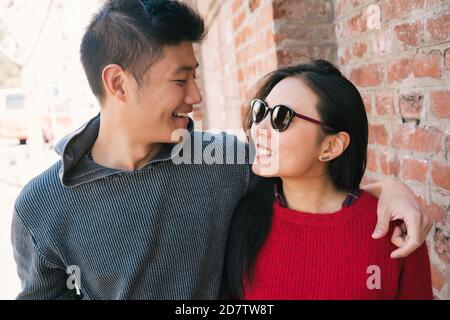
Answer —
161 104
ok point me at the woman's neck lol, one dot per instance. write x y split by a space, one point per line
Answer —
312 195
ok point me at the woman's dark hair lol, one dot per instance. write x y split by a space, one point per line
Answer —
132 33
339 106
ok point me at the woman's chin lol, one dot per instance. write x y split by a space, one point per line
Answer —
266 170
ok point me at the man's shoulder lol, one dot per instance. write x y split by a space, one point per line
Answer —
38 193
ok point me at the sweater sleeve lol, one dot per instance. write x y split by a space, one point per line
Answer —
415 278
40 279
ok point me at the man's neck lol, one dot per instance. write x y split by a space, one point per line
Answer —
119 147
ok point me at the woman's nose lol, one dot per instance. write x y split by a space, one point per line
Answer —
264 128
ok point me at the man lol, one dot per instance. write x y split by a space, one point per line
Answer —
119 212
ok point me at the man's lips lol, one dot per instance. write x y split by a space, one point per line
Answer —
182 113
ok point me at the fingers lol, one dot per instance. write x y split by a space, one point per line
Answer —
412 240
409 247
398 236
382 226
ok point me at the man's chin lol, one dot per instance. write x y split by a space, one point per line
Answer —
181 122
179 131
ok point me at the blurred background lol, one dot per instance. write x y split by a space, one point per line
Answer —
397 52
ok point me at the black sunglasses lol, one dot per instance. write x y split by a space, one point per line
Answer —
280 115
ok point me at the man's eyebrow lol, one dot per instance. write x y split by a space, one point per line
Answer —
186 68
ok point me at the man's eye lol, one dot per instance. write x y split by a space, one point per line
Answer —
180 82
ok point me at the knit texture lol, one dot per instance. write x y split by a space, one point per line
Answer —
329 256
154 233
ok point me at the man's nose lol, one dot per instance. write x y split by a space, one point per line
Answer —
193 95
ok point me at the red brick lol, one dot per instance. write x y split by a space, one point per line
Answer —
409 33
438 279
236 5
359 49
439 27
254 4
269 39
369 76
382 42
344 58
389 164
428 66
411 106
240 75
447 59
239 19
378 134
289 57
243 36
393 9
421 66
355 25
340 7
264 17
414 169
407 136
319 10
385 103
440 103
372 164
356 3
293 32
442 245
367 99
399 70
290 9
440 172
448 145
435 212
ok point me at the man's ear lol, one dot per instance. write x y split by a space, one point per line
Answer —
334 145
113 77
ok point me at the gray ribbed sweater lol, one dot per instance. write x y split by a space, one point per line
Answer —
154 233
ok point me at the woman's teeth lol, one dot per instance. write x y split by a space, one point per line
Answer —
181 114
264 152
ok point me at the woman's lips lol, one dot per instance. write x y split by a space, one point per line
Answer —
263 151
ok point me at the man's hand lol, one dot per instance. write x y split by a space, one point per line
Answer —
398 202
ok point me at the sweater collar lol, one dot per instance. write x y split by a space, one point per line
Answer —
352 196
76 168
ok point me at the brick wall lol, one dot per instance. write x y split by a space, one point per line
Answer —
397 52
401 68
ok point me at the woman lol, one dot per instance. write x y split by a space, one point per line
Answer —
305 233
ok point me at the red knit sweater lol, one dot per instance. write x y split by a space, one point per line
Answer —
329 256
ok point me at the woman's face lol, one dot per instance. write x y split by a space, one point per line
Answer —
294 152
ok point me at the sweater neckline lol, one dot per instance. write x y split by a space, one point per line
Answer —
323 219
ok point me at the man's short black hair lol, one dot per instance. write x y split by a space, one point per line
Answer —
132 33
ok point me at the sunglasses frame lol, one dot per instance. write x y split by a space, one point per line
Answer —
292 114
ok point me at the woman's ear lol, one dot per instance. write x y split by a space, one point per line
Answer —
334 146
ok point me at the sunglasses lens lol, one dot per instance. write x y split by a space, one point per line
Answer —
258 111
281 117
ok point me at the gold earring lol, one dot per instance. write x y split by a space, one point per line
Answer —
324 158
